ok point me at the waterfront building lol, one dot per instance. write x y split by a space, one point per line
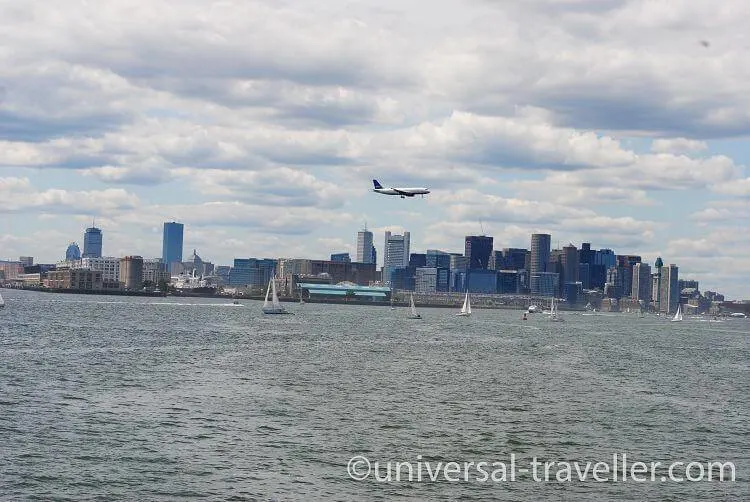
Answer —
26 261
341 257
481 281
545 284
131 272
252 272
403 278
344 292
172 244
92 243
540 255
395 253
509 282
426 280
109 267
79 279
478 249
73 252
154 272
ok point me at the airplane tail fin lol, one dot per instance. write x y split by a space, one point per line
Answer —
377 184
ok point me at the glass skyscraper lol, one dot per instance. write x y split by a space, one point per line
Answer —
171 249
92 243
478 249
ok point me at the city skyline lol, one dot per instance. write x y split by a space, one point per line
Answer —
635 140
538 252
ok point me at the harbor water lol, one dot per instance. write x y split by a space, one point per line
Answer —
120 398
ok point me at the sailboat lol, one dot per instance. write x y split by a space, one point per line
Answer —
413 314
678 315
553 316
2 302
273 306
466 309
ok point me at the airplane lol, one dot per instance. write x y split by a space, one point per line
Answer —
402 192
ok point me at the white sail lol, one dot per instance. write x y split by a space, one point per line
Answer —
413 314
266 303
273 306
2 302
275 298
678 314
466 308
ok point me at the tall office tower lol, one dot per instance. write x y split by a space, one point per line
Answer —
92 243
625 263
26 261
656 292
171 247
73 252
540 254
395 254
586 264
641 290
669 293
478 249
365 249
613 287
569 260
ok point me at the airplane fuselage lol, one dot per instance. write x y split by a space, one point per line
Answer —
403 192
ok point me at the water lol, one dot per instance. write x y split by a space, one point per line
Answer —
115 398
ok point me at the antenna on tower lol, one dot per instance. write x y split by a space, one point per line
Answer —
481 226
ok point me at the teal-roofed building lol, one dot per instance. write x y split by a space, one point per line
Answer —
345 291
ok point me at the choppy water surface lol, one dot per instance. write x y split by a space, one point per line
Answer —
109 398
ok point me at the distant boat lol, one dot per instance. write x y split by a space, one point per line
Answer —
533 309
738 315
413 314
273 306
466 309
2 302
553 315
678 315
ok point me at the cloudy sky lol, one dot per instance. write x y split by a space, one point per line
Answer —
260 124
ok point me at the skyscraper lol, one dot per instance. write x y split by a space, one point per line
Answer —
73 252
570 263
395 254
92 243
540 254
641 290
669 292
171 248
365 249
478 249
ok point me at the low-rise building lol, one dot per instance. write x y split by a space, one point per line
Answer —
78 279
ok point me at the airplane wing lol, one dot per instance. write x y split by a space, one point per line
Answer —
401 192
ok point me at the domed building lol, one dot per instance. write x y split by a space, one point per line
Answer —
73 253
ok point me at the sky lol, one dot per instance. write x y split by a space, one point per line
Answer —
260 125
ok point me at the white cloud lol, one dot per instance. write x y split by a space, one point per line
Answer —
677 145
